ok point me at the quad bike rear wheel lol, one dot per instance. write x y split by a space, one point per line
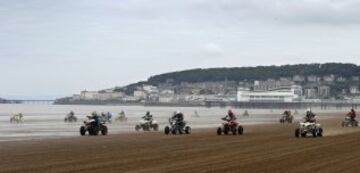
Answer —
354 124
156 127
240 130
167 130
297 132
187 130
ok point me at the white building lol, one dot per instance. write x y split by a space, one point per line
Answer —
354 90
298 78
139 94
150 89
355 78
310 93
95 95
278 95
323 91
313 78
329 78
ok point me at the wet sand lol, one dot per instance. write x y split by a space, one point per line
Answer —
263 148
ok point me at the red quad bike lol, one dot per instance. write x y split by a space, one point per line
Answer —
230 127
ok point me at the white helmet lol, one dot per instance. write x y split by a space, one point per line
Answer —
178 112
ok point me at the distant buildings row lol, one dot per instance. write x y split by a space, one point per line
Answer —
227 91
327 78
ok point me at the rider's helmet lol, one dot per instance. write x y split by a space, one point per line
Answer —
177 112
147 112
231 113
94 113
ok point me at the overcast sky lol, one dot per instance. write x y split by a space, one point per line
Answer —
56 48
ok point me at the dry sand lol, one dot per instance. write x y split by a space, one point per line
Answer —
263 148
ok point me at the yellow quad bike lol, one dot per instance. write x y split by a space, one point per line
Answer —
17 118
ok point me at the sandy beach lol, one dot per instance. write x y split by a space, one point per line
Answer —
263 148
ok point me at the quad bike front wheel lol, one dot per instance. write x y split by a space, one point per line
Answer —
226 129
104 130
82 131
233 130
137 127
320 132
156 127
173 131
314 134
354 124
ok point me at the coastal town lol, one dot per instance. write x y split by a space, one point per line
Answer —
285 89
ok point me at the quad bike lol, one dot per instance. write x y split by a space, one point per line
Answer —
312 128
106 118
230 127
246 113
177 127
349 123
70 118
288 119
196 115
147 125
92 128
17 118
121 118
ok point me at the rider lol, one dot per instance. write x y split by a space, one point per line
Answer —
148 117
122 113
71 114
108 116
287 114
95 116
310 116
179 118
230 117
352 115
